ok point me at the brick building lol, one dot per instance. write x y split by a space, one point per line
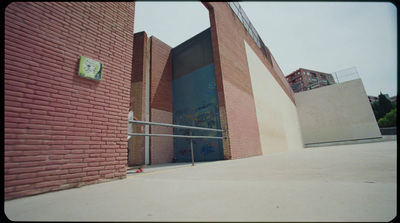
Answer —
305 79
63 130
372 99
208 70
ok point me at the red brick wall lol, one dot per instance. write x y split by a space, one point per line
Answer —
62 130
161 148
235 95
138 92
139 57
237 107
161 75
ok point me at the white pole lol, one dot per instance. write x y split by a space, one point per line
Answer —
147 107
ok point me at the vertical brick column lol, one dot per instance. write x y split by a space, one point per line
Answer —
219 82
138 92
161 148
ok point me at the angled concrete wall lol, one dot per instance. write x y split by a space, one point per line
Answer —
276 114
337 112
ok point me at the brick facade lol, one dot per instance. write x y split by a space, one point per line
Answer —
161 76
62 130
233 83
152 57
140 67
161 148
235 95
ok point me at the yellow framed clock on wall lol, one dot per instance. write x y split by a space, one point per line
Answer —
90 68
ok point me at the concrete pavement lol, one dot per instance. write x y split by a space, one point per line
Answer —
335 183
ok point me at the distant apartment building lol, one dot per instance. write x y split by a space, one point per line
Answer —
305 79
392 99
372 99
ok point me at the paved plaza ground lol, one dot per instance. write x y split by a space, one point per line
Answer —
335 183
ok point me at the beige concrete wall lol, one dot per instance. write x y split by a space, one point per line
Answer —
276 114
337 112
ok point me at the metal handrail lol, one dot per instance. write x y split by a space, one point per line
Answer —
175 126
178 136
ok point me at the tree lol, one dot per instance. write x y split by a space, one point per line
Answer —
389 120
382 107
375 108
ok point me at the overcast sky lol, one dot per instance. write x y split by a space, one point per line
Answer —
321 36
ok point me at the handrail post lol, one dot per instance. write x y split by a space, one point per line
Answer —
191 147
